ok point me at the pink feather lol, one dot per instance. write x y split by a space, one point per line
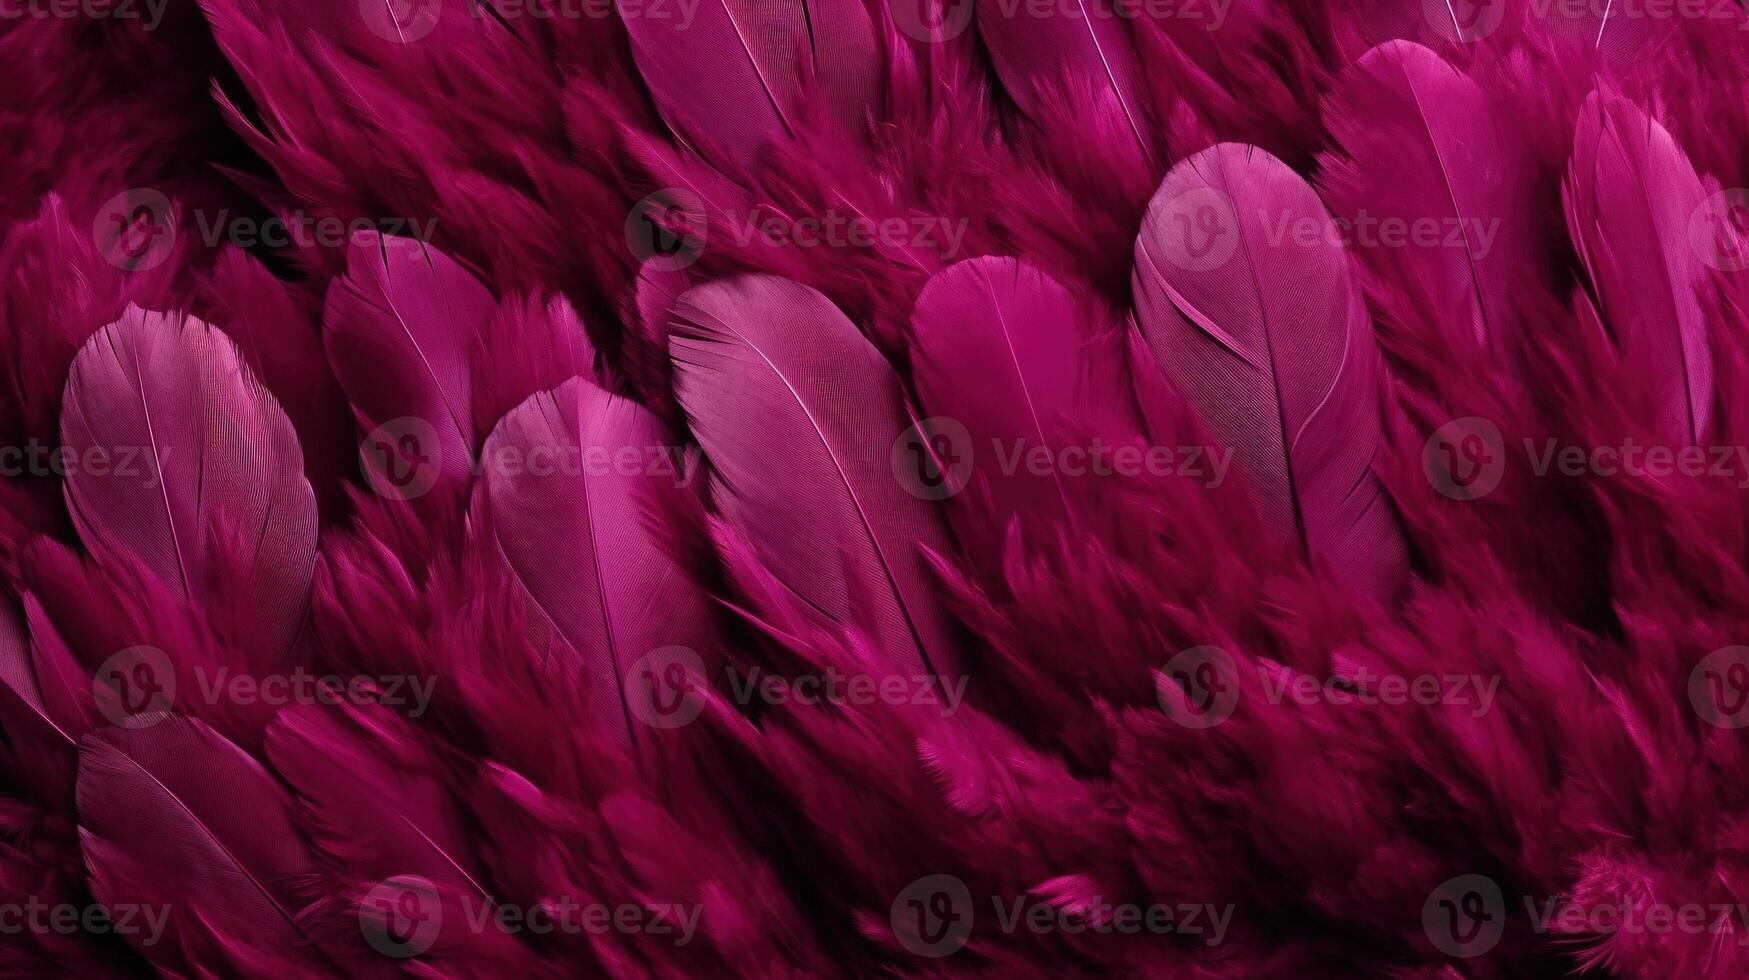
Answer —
798 415
40 729
1273 346
400 327
1037 57
374 802
765 60
579 540
174 816
1043 378
1630 195
45 695
1421 143
210 494
371 796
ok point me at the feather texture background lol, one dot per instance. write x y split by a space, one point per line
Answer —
924 488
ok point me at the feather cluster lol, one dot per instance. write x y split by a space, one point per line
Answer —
809 488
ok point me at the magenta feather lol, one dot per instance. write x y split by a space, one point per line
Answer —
374 802
211 496
579 538
1274 347
1630 195
370 796
766 62
1045 378
1070 47
798 414
174 816
400 329
1422 146
49 701
40 724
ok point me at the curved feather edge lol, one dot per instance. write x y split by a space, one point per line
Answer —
1042 378
1267 335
